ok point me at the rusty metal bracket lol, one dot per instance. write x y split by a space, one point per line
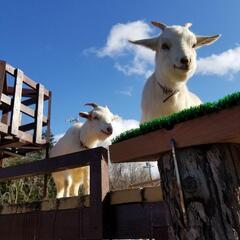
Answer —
179 185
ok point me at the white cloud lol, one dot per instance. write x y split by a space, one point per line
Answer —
127 91
117 47
121 125
136 60
225 63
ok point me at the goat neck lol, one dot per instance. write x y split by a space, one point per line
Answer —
169 83
87 136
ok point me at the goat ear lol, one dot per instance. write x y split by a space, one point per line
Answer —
85 115
206 40
149 43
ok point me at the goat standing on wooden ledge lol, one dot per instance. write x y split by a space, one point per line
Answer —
165 91
80 137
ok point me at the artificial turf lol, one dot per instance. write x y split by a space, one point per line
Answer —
187 114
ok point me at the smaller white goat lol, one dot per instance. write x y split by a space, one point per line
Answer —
98 127
165 91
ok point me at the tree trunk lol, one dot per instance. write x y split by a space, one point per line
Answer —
209 180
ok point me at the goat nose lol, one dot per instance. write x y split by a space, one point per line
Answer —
185 60
110 130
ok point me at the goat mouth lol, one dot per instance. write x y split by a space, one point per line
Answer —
183 68
107 133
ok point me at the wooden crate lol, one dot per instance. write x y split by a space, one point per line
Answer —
23 103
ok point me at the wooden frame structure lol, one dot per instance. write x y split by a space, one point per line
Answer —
22 118
219 127
97 221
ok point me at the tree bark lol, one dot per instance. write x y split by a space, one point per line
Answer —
209 177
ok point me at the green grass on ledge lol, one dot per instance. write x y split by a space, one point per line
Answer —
187 114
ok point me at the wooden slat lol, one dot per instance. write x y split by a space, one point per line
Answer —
15 120
11 70
3 128
39 115
220 127
127 221
27 127
11 143
25 136
26 92
55 164
25 109
33 84
30 101
2 75
49 120
5 112
11 153
6 99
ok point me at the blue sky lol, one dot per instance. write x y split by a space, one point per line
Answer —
62 44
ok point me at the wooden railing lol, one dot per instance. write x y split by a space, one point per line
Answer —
92 224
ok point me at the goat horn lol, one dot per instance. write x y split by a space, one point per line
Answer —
188 25
94 105
159 25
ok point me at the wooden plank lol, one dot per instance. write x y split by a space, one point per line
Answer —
49 120
30 101
11 153
2 76
127 221
6 99
11 70
33 84
12 143
15 120
31 113
25 109
3 128
5 112
220 127
26 92
136 221
50 165
39 115
25 136
99 187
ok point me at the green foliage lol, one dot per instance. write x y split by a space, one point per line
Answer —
168 122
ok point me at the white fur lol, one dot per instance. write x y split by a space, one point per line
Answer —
170 71
89 133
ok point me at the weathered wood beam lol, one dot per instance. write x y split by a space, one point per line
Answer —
220 127
39 115
50 165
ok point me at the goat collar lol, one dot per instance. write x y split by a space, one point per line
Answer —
83 145
167 91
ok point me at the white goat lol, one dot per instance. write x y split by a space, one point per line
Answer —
165 91
80 137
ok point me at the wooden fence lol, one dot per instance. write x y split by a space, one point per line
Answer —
98 220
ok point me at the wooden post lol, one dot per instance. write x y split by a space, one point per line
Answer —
209 181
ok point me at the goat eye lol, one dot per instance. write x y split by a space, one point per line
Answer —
96 118
194 45
165 46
